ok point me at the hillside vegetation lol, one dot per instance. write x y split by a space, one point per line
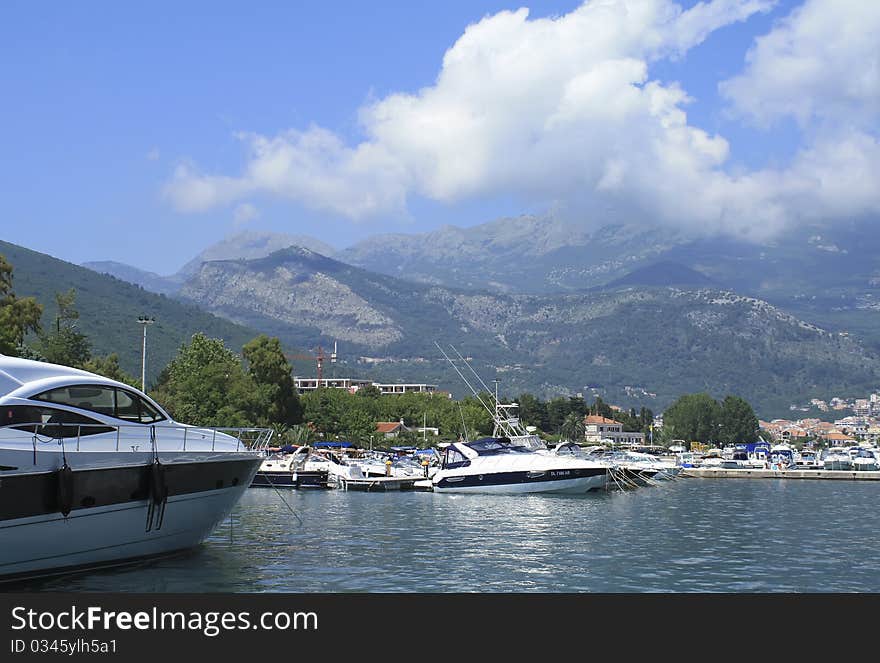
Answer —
109 309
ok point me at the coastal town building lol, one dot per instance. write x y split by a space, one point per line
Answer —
845 431
869 406
390 429
405 388
599 430
349 384
352 385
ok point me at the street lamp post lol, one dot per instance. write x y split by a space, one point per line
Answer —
144 320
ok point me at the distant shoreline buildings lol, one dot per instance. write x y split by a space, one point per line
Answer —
353 385
861 407
842 432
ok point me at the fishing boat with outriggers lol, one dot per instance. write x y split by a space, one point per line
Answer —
513 459
94 472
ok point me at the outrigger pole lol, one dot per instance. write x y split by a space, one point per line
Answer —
494 414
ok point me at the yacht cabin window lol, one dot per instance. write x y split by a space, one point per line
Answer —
111 401
50 422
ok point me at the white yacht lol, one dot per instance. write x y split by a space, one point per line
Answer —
807 459
836 458
495 465
865 459
514 459
93 472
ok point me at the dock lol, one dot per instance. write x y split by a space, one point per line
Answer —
741 473
378 483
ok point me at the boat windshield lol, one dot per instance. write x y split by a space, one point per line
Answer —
492 445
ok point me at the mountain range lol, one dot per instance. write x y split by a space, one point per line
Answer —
638 316
644 343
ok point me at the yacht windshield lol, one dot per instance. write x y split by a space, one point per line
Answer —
493 445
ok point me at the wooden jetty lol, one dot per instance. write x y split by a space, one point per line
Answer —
377 483
743 473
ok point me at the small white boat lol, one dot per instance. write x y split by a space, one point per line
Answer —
864 460
836 458
301 468
807 459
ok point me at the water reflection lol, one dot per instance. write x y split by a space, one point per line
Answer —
693 535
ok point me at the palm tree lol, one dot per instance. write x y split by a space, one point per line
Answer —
573 427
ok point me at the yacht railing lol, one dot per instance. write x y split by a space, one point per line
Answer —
247 439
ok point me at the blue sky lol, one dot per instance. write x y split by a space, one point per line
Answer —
144 132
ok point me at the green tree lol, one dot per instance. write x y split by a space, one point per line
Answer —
557 411
601 408
17 316
66 345
371 391
693 417
357 425
109 367
532 411
323 409
577 405
573 428
206 385
278 401
737 421
464 419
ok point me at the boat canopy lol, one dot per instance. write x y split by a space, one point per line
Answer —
489 446
332 445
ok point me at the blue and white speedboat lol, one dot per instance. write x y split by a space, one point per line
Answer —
495 465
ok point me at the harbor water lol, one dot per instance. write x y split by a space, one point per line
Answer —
688 535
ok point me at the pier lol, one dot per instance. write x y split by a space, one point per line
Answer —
742 473
377 483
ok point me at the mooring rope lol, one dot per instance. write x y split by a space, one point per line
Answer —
277 492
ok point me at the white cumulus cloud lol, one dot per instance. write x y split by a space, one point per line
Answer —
563 109
820 64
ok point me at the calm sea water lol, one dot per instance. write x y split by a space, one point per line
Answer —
689 535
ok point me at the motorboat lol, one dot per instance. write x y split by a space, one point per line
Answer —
738 459
687 459
649 466
781 457
758 454
496 465
807 459
299 467
630 467
94 472
865 460
377 465
836 458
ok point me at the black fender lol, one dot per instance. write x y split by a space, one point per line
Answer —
65 490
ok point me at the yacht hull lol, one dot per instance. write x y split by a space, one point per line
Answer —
523 482
298 479
122 521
